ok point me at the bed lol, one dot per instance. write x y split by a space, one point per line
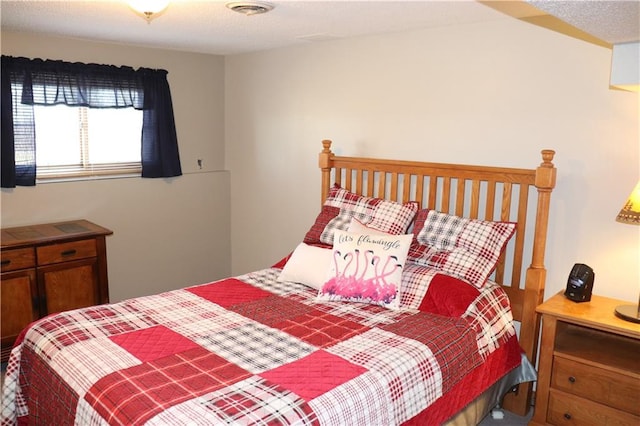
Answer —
406 302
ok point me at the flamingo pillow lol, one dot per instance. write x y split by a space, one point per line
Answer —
366 268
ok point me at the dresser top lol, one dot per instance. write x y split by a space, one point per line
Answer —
599 313
50 232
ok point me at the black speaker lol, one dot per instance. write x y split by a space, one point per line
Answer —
580 283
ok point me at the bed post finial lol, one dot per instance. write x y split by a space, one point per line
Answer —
547 157
324 161
546 172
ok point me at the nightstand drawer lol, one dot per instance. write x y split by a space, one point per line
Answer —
13 260
566 409
605 386
66 251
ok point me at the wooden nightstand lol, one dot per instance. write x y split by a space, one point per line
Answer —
49 268
589 368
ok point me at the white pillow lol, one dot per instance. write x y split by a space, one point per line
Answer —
366 268
307 265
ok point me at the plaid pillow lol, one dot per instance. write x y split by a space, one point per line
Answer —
465 248
341 206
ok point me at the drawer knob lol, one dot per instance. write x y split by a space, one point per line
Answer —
6 262
68 252
572 379
567 416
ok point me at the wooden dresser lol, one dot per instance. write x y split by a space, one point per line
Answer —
589 369
50 268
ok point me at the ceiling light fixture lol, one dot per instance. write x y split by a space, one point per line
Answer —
149 9
250 7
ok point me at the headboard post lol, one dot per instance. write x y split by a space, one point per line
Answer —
545 181
324 161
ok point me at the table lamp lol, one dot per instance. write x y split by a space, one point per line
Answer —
630 213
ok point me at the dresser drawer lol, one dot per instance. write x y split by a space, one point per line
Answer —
566 409
15 259
604 386
65 252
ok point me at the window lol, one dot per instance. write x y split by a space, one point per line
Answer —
80 141
91 99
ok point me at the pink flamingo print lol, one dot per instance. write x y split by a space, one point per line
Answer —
361 280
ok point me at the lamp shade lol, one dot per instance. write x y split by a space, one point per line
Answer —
630 212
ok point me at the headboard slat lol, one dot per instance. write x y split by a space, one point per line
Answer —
406 187
394 187
419 190
460 196
433 190
491 200
338 176
475 199
506 202
359 181
445 204
520 239
382 182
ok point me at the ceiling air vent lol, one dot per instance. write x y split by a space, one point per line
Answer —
250 7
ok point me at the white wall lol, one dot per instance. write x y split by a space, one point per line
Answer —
491 93
168 233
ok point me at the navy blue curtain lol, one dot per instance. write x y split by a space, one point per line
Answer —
27 82
7 151
160 157
18 142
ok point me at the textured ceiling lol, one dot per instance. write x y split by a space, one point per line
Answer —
611 21
210 27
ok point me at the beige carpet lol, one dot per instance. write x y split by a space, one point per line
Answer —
509 419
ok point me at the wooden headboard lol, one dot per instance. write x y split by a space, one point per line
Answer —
478 192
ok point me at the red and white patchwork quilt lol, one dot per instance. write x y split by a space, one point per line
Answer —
252 350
